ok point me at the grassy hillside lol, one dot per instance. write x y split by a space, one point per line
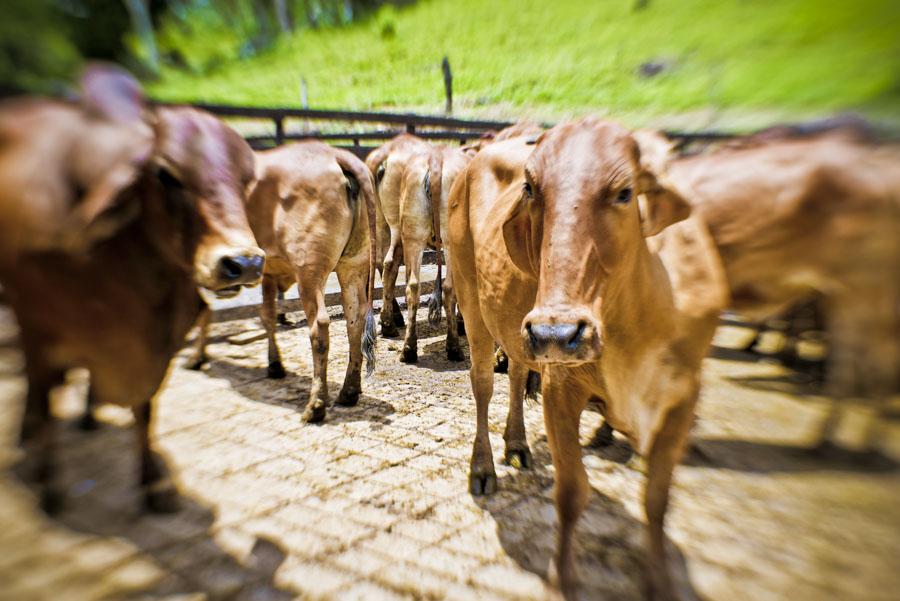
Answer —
741 62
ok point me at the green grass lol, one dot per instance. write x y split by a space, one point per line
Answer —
741 62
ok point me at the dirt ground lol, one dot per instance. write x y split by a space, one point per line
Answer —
373 503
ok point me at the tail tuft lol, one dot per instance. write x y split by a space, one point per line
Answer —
368 342
436 302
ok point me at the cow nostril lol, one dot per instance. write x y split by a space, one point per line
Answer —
575 339
230 268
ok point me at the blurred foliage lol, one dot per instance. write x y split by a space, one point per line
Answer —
775 59
36 46
43 42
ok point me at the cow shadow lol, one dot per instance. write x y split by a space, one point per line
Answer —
796 384
293 390
609 542
177 553
769 457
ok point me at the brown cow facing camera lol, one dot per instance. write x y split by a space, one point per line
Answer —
109 279
554 260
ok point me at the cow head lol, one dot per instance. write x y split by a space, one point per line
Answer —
577 228
194 208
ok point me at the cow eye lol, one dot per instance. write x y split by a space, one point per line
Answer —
624 196
529 191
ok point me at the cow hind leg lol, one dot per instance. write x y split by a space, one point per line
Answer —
391 316
353 297
160 495
665 453
518 454
501 361
275 369
312 294
412 253
454 352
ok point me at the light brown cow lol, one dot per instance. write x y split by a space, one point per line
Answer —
120 301
413 178
313 212
551 260
799 215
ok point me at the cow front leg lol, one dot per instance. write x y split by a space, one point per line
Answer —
159 492
199 357
482 476
267 309
88 422
412 256
313 296
517 452
353 298
39 430
562 413
665 452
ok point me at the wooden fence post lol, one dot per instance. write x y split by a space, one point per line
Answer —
448 85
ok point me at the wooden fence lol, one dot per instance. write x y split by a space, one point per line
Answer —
289 124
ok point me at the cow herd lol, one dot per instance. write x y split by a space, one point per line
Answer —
596 258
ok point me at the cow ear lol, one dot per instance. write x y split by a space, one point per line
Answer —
660 205
112 93
522 235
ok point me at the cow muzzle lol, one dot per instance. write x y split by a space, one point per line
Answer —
230 269
561 337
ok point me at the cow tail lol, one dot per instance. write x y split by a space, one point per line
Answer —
366 186
435 174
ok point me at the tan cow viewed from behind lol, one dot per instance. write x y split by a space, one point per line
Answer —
553 259
312 210
801 215
413 179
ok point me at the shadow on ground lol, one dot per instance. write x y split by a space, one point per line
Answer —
293 391
99 472
609 542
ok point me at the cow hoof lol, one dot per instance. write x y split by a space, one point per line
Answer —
455 354
389 330
637 463
603 437
276 370
197 364
87 422
164 500
519 458
348 398
284 321
51 501
314 412
482 484
409 354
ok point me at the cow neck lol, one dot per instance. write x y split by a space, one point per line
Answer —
631 300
